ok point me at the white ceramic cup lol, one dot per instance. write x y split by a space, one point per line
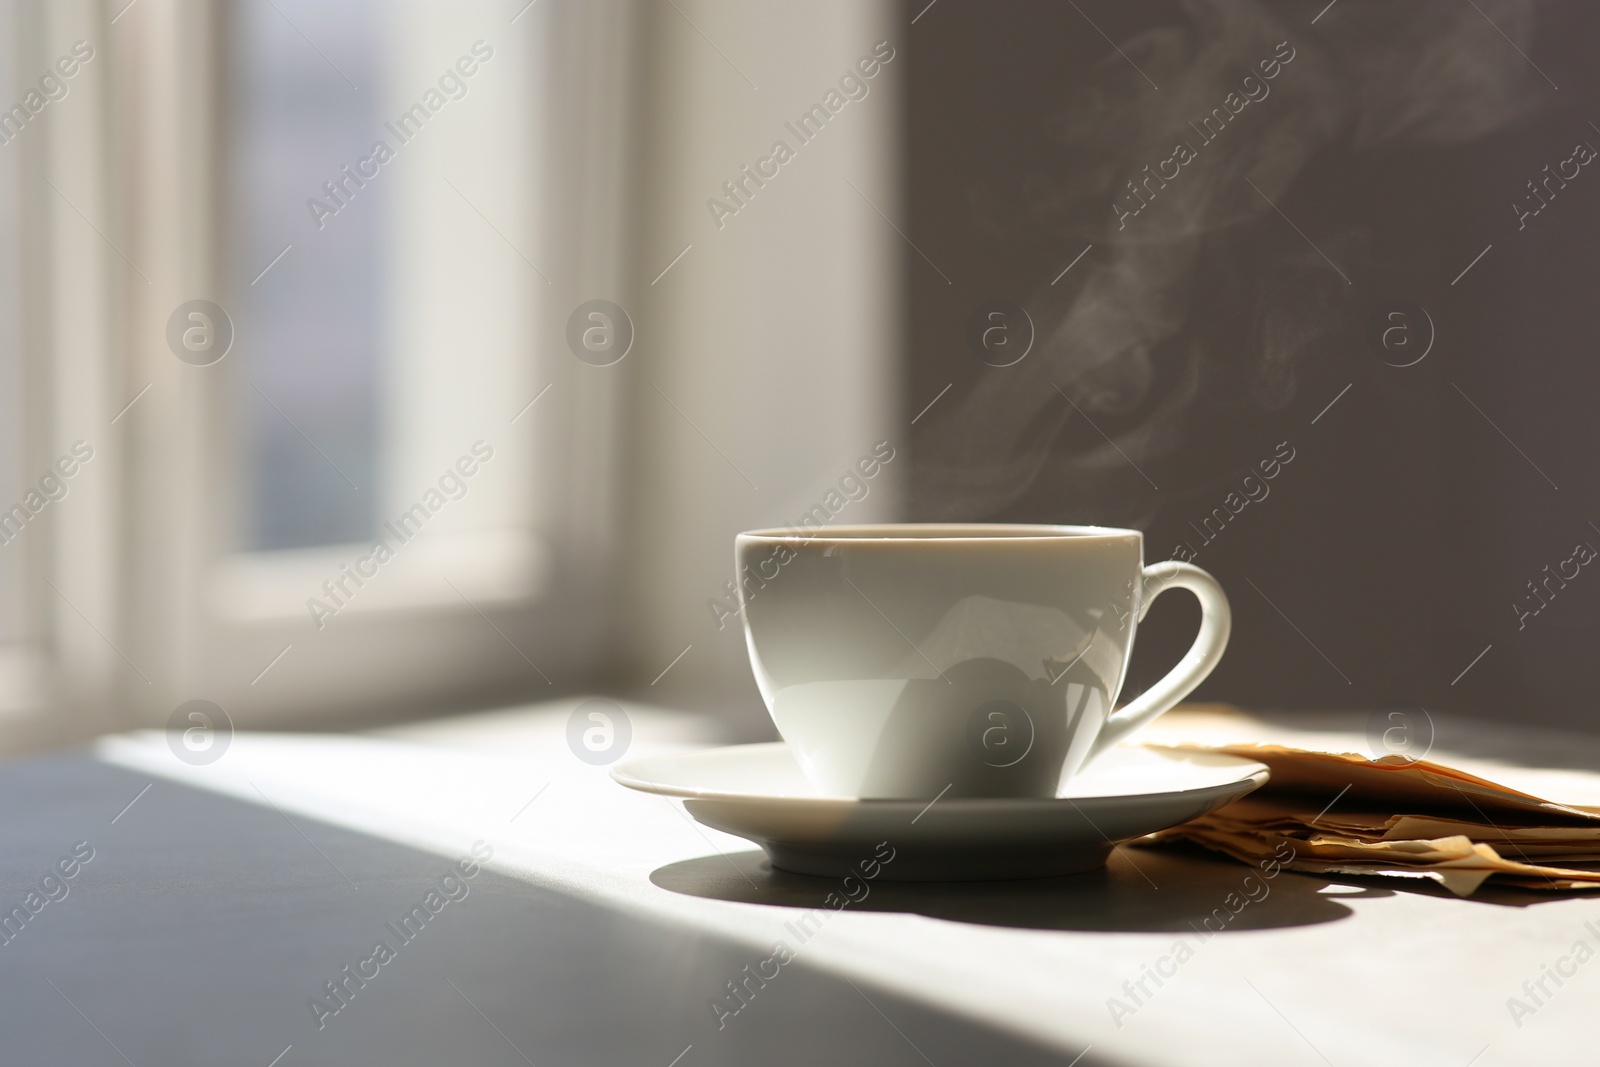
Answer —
977 660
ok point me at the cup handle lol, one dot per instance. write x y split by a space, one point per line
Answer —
1216 622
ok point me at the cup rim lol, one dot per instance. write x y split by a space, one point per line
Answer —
921 533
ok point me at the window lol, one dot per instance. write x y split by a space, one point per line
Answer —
289 347
374 214
386 507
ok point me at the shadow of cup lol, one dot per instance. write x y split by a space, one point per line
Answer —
1138 891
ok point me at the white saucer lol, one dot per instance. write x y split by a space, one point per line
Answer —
758 792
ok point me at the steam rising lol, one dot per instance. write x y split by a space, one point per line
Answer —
1125 341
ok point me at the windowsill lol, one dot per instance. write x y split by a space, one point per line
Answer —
486 567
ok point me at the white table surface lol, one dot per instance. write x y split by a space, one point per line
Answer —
1315 973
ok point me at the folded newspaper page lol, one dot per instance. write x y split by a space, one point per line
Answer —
1394 816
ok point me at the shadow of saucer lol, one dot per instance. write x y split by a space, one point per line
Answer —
1139 890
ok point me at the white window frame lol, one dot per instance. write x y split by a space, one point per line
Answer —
59 679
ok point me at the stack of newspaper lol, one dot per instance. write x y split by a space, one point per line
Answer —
1347 814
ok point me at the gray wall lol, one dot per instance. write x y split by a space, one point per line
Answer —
1198 335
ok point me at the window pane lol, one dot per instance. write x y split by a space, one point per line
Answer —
308 326
382 150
